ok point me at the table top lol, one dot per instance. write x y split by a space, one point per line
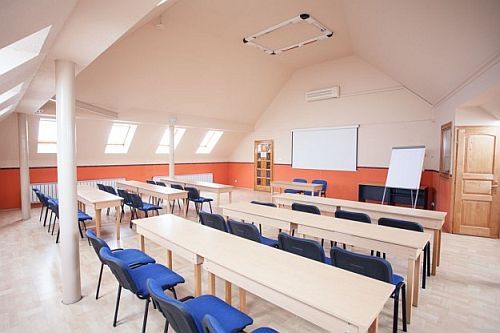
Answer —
197 183
400 237
150 187
287 183
412 212
342 294
94 195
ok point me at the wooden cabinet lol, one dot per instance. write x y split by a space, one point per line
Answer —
263 165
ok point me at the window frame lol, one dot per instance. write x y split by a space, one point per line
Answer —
178 135
46 143
120 148
209 141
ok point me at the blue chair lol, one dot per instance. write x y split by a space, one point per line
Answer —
161 184
250 232
307 248
110 190
376 268
130 257
413 226
133 278
186 315
37 193
47 202
311 209
323 189
125 202
152 182
81 218
268 204
212 325
194 196
215 221
295 180
138 204
101 187
180 188
353 216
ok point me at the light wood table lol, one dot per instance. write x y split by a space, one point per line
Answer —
431 220
98 200
161 192
282 185
402 243
218 189
332 298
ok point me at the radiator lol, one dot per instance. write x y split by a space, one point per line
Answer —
50 189
201 177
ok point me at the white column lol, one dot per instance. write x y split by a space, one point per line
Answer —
24 170
66 181
171 163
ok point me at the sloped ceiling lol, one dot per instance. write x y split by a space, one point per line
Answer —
431 47
488 101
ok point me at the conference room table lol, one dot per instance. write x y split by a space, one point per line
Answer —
283 185
98 200
402 243
431 220
332 298
216 188
168 194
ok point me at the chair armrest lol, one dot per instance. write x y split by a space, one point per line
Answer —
136 265
186 298
118 249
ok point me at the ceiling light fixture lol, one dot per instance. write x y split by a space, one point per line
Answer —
325 33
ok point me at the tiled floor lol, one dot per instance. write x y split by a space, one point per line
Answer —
463 297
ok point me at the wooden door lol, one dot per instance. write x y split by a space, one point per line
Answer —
264 163
477 208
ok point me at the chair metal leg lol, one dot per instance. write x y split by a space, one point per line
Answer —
178 203
145 320
107 212
210 204
80 229
174 292
165 330
428 259
424 268
146 213
403 303
57 237
117 305
53 226
99 282
41 213
172 208
396 311
260 228
46 212
50 221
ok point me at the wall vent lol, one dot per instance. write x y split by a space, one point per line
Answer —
318 95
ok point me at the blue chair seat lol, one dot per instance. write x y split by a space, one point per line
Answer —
147 206
265 330
202 199
291 191
161 274
83 217
328 260
397 279
133 256
269 241
230 318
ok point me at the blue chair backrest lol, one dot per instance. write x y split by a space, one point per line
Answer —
215 221
211 325
370 266
353 216
401 224
110 189
193 192
299 180
244 230
152 182
125 195
177 187
43 198
119 269
135 200
303 247
175 312
101 187
161 184
269 204
97 243
322 182
306 208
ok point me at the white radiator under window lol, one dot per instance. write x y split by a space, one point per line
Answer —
50 189
201 177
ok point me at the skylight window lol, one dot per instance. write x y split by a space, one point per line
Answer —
47 136
5 110
209 141
164 146
23 50
10 93
120 138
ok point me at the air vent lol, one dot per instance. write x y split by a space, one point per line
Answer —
318 95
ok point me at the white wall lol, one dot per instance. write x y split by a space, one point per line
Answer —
389 115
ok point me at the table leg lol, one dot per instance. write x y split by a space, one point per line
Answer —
409 289
230 197
118 213
142 243
439 247
435 252
211 283
98 222
218 199
228 292
416 280
243 299
197 280
169 259
374 326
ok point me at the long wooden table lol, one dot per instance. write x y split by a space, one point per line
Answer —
309 187
161 192
335 299
431 220
218 189
403 243
98 200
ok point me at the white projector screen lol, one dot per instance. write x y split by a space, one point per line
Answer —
325 148
405 169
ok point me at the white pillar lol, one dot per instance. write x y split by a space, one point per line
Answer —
24 170
171 163
66 181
